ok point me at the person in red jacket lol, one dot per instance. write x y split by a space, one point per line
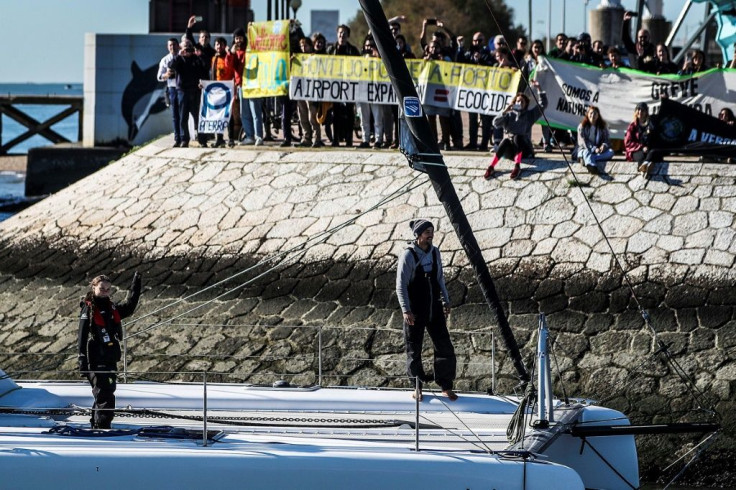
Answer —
223 68
639 139
98 343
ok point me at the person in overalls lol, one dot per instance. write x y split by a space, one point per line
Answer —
98 343
425 304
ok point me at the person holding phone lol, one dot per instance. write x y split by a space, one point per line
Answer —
641 52
208 52
694 63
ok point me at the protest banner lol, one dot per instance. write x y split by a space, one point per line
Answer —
682 129
266 72
472 88
215 106
571 88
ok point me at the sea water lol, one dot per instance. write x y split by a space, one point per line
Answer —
12 184
67 127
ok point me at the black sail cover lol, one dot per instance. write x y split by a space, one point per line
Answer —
417 133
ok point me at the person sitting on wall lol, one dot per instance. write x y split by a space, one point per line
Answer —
516 121
594 144
639 139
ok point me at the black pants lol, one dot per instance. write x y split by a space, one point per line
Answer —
103 390
518 143
343 120
444 352
189 105
651 156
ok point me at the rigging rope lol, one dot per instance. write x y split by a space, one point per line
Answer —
300 248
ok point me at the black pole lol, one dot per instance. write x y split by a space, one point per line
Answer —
269 13
403 85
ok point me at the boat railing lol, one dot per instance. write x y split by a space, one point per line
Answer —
479 365
482 362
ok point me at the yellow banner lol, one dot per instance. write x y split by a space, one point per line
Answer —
266 72
474 88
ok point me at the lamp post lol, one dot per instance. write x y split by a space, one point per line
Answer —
295 4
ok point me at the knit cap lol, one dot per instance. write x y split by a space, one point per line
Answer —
419 225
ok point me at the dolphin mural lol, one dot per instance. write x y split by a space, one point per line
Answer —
143 96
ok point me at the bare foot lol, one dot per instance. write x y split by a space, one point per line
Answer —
417 395
450 394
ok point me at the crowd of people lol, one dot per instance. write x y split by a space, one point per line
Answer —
508 135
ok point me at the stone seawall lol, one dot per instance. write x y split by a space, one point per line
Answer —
189 218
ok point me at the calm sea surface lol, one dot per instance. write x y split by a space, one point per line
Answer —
67 127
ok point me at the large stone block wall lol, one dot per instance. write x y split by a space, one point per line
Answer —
189 218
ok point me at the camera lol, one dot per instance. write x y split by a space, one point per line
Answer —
431 22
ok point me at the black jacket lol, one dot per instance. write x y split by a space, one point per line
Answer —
100 330
189 71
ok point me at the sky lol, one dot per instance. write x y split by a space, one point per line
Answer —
49 34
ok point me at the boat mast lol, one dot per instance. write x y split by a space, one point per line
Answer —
430 161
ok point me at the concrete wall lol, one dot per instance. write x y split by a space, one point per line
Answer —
187 218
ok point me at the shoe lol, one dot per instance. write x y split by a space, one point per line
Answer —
445 146
394 146
218 144
285 144
318 144
386 145
177 144
258 141
470 147
335 143
450 394
185 144
247 141
203 144
482 148
364 144
378 145
592 169
548 148
349 144
268 137
516 172
644 168
304 144
489 172
230 143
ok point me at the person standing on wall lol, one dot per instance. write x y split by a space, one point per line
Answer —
425 304
168 75
189 70
343 113
98 343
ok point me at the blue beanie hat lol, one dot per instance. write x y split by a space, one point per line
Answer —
419 225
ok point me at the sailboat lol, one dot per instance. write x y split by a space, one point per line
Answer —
177 435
